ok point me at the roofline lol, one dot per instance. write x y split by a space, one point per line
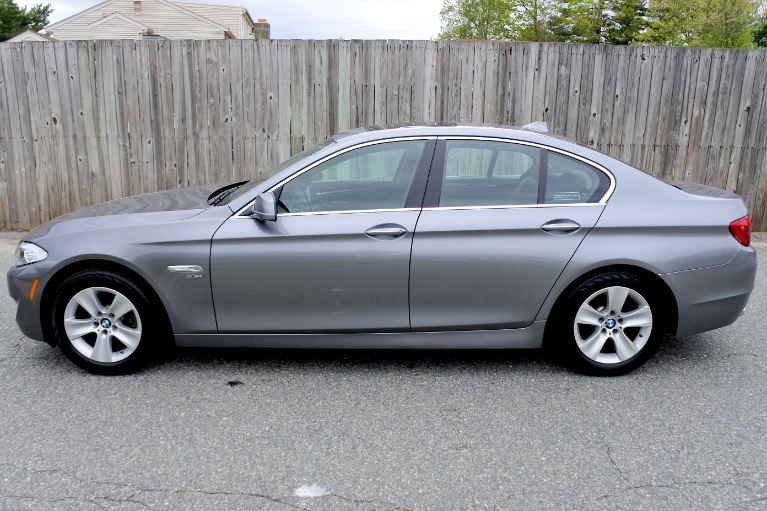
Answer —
248 16
45 36
78 14
198 16
118 15
243 10
211 5
166 2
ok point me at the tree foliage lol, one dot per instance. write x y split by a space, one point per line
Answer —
715 23
15 19
476 19
532 20
760 34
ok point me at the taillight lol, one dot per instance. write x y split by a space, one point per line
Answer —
741 230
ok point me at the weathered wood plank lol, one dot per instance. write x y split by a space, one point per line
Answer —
298 94
37 93
740 117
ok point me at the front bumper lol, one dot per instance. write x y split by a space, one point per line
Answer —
20 282
713 297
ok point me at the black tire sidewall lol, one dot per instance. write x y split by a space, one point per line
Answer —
120 283
572 353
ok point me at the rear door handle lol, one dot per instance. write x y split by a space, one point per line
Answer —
561 226
386 231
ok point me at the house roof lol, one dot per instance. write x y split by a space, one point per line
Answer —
166 2
118 16
29 35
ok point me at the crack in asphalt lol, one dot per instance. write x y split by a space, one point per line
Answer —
133 498
610 457
52 501
757 499
17 346
675 485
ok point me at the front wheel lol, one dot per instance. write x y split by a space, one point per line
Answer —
102 321
611 324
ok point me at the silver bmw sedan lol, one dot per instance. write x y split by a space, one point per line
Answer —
407 237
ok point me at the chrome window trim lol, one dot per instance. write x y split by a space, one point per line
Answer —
516 206
240 213
590 163
346 212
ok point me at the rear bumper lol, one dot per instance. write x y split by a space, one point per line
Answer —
713 297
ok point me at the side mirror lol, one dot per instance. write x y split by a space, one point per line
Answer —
265 207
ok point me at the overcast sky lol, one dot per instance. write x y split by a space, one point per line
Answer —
319 19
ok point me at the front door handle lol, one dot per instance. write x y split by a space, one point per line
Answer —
386 231
561 226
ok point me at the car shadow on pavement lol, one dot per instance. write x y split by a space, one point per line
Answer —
672 355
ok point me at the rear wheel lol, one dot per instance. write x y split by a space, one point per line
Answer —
105 322
611 324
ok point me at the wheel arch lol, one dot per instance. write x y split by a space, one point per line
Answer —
664 291
46 299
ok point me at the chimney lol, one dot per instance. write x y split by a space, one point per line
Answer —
262 29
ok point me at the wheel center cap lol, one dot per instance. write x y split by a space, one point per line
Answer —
610 323
106 323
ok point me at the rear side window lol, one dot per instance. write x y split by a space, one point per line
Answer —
489 173
570 181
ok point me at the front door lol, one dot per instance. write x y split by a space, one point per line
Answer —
337 258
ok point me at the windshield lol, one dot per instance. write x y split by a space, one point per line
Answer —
273 171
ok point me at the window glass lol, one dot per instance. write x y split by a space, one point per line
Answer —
571 181
372 177
488 173
274 171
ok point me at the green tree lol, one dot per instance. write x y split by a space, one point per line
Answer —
629 21
712 23
536 20
725 23
760 34
574 22
15 19
476 19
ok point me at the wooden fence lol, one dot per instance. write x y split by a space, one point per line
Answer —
83 122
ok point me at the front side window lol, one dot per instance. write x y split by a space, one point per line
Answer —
377 176
489 173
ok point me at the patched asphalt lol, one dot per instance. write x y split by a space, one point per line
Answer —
387 430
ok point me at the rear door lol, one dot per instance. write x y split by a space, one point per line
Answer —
500 222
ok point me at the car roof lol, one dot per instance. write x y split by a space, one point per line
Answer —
378 132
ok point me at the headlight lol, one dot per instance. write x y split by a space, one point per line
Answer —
28 253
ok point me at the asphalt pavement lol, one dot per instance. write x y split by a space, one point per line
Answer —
387 430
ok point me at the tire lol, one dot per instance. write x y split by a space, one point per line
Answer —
610 324
106 323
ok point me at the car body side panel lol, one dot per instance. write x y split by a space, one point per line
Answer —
518 338
146 244
713 297
672 232
20 282
312 273
489 268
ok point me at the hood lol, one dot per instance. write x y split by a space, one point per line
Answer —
193 198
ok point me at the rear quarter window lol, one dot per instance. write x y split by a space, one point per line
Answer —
570 181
